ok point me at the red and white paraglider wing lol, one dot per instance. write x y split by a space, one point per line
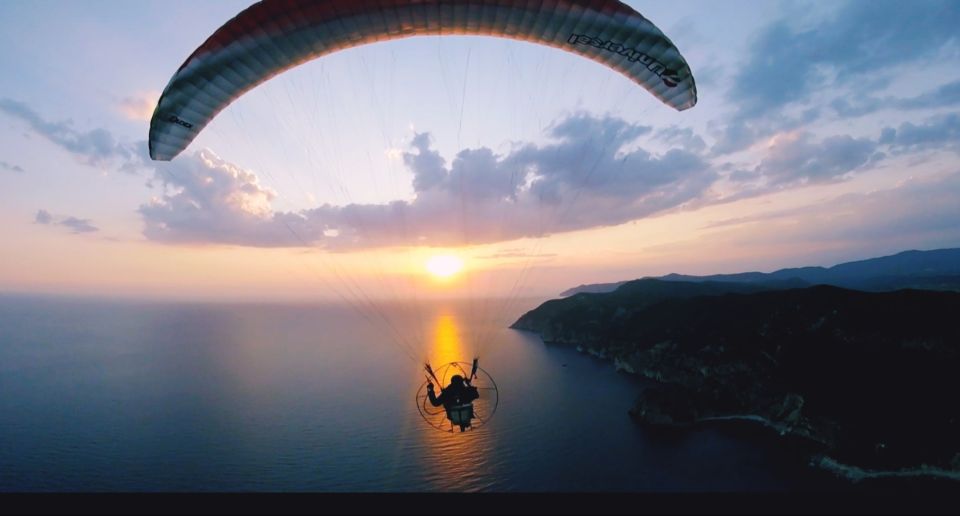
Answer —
275 35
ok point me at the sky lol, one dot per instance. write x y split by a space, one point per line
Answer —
824 132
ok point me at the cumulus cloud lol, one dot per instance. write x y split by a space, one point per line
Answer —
96 147
74 224
591 174
10 167
208 200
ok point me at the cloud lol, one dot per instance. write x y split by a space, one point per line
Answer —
139 107
74 224
430 166
859 105
585 178
78 225
793 159
787 63
853 52
919 213
43 217
738 134
946 95
939 131
921 208
10 167
213 201
682 137
593 171
96 147
776 71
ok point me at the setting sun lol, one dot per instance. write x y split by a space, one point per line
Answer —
444 266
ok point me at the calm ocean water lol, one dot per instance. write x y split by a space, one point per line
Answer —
119 396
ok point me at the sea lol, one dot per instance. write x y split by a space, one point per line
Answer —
100 395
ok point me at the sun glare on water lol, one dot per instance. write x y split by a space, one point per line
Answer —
444 266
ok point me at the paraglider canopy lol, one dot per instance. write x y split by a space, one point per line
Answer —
272 36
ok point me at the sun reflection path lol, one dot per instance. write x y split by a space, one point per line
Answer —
453 460
447 346
448 359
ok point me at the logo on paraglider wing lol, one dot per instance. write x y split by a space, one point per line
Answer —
669 76
179 121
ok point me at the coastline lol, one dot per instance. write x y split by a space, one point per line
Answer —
856 474
821 461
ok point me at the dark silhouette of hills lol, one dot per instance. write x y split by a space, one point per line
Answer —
864 383
929 270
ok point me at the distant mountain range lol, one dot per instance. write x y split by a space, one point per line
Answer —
928 270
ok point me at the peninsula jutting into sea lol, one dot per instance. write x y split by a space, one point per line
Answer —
863 382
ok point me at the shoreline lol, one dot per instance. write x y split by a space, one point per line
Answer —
856 474
849 472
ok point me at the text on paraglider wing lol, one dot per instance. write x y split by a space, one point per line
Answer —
669 77
177 120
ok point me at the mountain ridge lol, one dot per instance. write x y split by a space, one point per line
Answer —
937 269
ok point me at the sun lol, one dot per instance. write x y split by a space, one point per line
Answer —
444 266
